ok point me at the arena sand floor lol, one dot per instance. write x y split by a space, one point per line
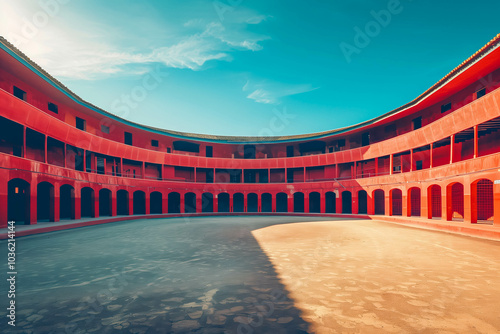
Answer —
255 275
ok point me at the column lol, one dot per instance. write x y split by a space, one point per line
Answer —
452 141
259 202
45 157
290 202
476 141
33 197
376 166
96 203
391 164
164 203
411 160
273 202
114 204
130 203
55 205
148 202
24 142
245 202
322 204
432 155
182 202
306 202
199 203
216 202
4 197
78 202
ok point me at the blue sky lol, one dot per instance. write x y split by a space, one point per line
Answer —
232 67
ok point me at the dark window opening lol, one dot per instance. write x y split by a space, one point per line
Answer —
341 143
209 151
445 107
128 138
249 152
330 149
186 146
419 164
53 107
104 129
480 93
417 123
154 143
80 124
169 150
289 151
365 139
390 128
19 93
100 162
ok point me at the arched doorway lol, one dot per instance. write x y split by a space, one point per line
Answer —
330 202
396 202
415 202
435 207
87 200
156 202
45 202
455 195
67 202
362 202
190 203
346 202
315 202
281 202
252 202
122 202
18 201
482 201
267 202
105 203
174 202
139 201
223 202
238 202
207 202
298 202
379 202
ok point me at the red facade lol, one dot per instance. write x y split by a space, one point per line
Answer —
437 157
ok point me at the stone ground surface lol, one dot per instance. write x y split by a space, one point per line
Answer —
254 275
370 277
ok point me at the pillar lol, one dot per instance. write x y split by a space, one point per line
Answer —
496 204
148 202
290 203
78 202
306 202
369 197
164 203
431 163
391 164
96 203
245 202
56 204
130 203
199 202
476 141
322 203
182 203
338 203
33 204
452 142
216 202
273 202
411 160
114 204
259 202
4 197
376 166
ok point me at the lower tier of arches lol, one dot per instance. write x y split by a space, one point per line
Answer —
40 199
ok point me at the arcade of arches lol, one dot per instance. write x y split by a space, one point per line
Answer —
53 201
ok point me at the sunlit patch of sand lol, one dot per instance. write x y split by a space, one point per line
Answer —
370 277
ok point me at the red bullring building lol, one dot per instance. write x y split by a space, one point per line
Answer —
437 157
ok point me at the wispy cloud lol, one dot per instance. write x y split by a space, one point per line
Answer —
272 92
70 53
